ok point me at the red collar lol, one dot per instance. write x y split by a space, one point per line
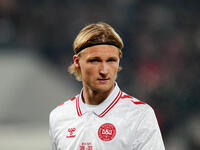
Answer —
103 108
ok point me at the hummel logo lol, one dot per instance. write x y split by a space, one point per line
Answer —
71 133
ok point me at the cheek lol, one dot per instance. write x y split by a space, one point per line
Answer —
115 68
87 71
115 72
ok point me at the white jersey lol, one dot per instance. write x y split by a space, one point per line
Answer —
120 122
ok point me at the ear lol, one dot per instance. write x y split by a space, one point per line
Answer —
76 61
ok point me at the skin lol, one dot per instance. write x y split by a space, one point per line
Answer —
99 66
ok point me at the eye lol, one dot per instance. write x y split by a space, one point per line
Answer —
112 60
94 60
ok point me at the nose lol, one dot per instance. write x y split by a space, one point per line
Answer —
103 71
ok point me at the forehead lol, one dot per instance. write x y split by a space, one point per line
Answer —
101 51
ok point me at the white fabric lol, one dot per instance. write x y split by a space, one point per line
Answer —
73 126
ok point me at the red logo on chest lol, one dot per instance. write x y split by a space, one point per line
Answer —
107 132
71 133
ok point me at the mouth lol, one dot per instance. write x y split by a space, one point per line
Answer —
103 80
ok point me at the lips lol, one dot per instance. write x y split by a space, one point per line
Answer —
103 80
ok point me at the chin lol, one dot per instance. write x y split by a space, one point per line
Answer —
103 88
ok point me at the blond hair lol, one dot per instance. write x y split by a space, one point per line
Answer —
94 34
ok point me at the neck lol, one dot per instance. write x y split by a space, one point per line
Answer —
92 97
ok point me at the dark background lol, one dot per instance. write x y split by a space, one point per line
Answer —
161 64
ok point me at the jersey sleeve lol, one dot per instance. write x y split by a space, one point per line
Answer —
52 142
148 135
53 146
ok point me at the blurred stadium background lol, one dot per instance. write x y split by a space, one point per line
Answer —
161 63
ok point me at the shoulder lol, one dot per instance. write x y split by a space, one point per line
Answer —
135 109
64 109
128 99
134 104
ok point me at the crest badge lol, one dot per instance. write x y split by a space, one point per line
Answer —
107 132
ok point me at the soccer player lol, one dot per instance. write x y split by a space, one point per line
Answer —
102 117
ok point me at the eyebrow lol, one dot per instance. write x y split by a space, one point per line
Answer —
96 57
